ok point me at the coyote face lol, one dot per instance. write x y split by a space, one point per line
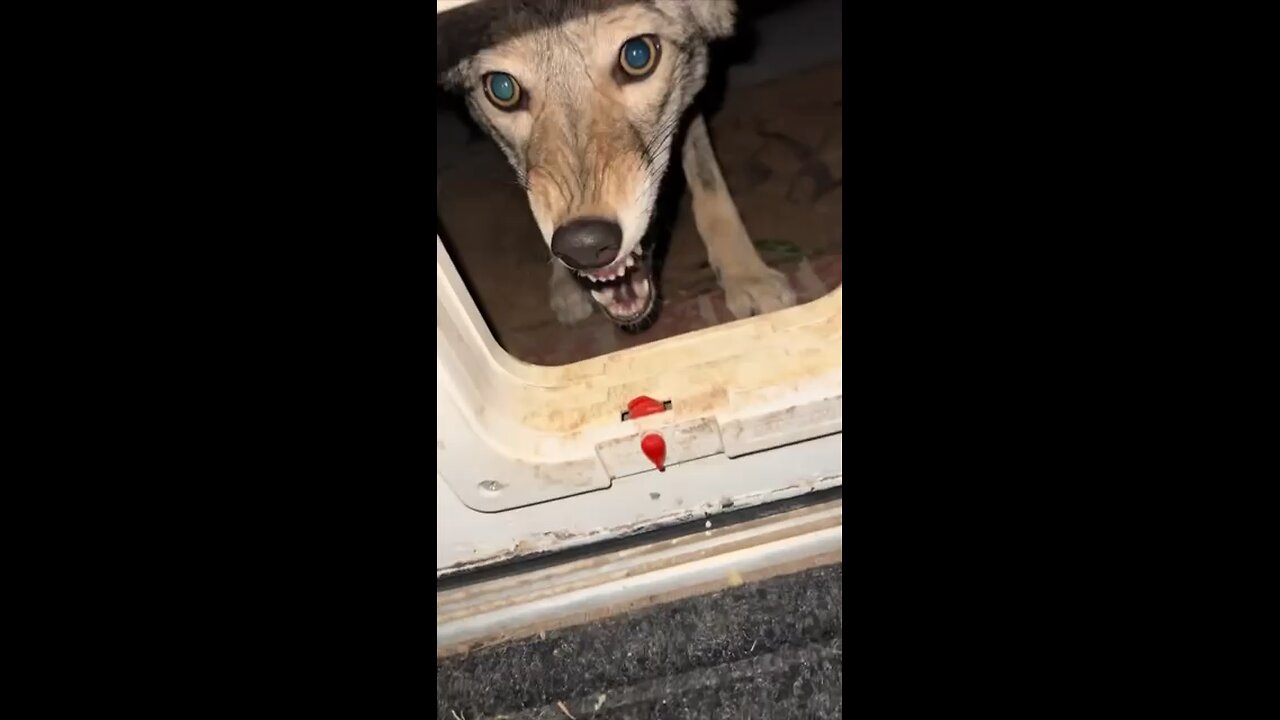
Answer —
584 97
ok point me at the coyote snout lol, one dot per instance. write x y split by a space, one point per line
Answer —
590 181
587 244
584 97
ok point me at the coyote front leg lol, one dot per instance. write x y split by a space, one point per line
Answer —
569 300
750 286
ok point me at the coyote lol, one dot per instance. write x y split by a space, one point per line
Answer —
585 98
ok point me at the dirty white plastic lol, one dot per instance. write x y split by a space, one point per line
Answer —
511 434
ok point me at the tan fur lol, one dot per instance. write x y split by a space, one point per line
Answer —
588 145
750 285
602 178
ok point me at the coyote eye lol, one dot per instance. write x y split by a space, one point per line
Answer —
502 90
639 56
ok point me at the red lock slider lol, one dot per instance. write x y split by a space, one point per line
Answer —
652 444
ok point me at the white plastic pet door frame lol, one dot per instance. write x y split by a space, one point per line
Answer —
510 434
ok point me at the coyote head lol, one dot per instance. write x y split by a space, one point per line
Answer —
585 97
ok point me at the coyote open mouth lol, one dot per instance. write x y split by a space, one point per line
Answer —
625 290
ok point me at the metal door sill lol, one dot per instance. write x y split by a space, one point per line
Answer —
522 604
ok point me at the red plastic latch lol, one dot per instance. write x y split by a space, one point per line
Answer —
643 405
655 448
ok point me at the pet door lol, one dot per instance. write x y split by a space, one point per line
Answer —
549 436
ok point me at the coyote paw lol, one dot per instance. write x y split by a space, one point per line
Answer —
757 293
568 300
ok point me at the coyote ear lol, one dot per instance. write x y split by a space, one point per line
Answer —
715 17
454 78
460 34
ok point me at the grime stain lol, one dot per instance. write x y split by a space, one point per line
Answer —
576 473
654 495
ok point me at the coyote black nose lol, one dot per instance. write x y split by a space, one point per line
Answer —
587 243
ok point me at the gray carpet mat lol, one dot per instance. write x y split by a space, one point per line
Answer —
770 649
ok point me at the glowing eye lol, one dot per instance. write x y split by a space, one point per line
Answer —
639 55
502 90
